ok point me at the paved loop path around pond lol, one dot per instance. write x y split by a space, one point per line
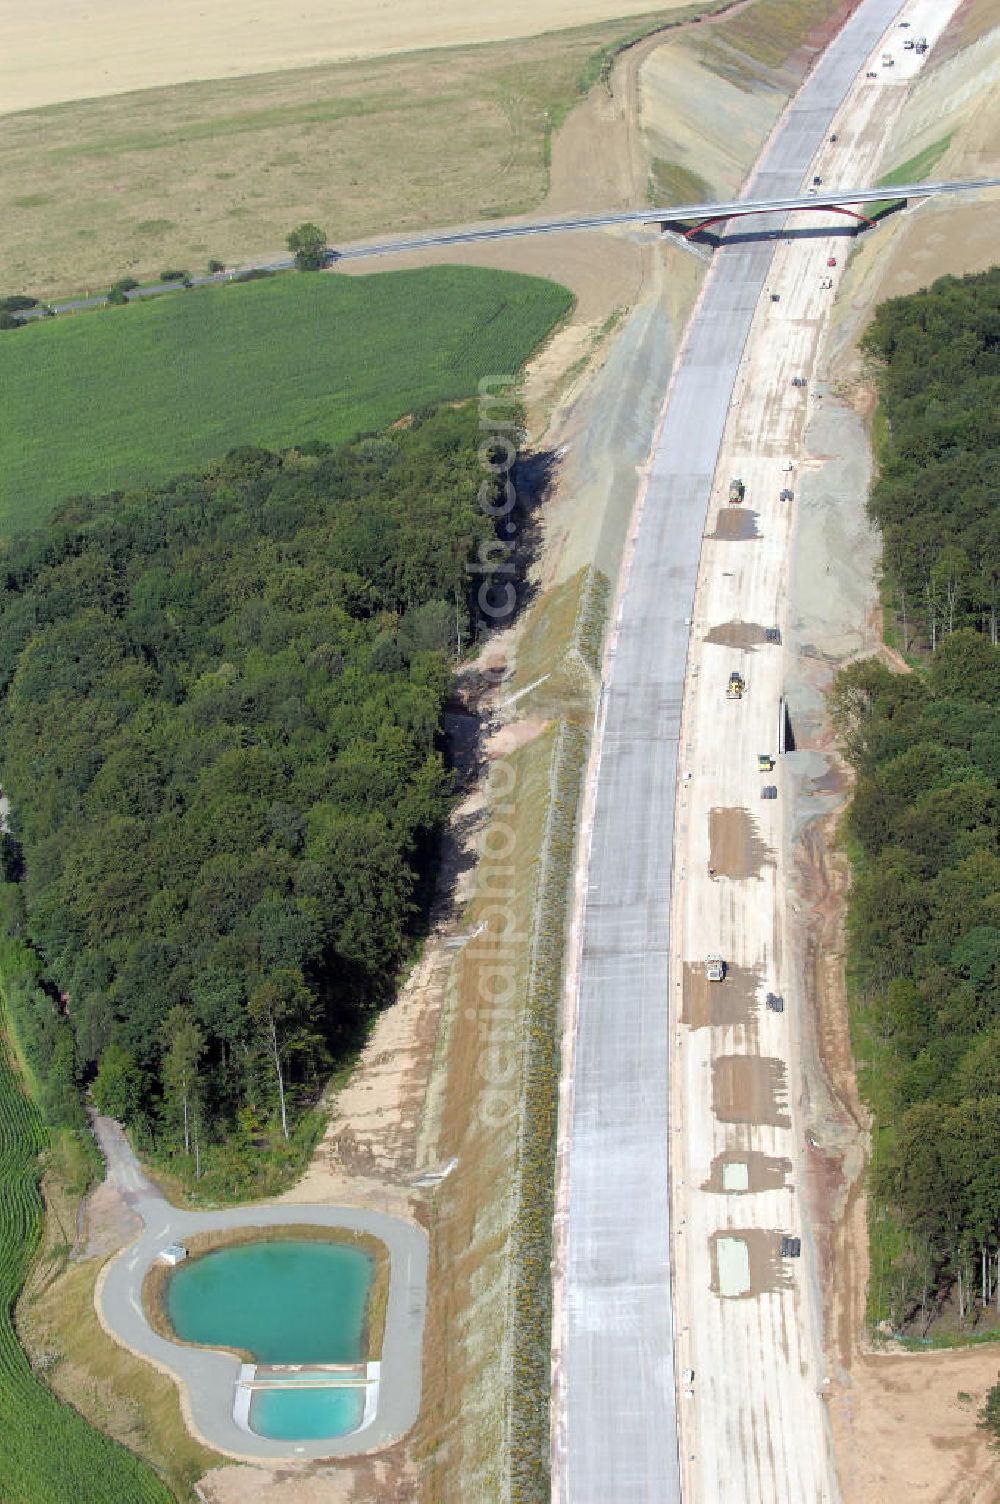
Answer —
206 1378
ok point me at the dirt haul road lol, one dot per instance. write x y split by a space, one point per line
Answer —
753 1424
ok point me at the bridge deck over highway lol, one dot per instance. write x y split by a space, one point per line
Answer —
826 198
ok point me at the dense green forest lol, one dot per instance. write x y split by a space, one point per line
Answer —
220 735
939 465
924 915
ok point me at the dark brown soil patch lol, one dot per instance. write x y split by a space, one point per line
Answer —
763 1172
736 525
721 1005
735 848
737 634
750 1089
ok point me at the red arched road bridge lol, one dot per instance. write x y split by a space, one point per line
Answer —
689 218
693 217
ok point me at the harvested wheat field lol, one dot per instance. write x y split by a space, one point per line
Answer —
55 50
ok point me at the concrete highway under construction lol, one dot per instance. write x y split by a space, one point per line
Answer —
650 1302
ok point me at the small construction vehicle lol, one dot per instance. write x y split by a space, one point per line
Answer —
776 297
737 491
888 61
920 46
715 969
772 634
765 762
908 44
785 495
769 791
791 1248
736 686
825 283
798 381
775 1003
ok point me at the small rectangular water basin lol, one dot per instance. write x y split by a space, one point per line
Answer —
299 1412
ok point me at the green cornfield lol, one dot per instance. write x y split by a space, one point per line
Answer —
48 1453
122 397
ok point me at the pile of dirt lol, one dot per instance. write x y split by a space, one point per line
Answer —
737 634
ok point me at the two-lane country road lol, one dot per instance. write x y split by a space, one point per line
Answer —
614 1406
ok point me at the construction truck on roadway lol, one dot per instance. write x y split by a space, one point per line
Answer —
715 969
737 491
736 686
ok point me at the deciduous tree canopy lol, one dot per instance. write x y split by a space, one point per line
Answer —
935 496
220 735
925 904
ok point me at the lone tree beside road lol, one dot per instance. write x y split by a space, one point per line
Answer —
308 243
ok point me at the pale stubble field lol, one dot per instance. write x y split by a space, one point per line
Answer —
129 184
55 50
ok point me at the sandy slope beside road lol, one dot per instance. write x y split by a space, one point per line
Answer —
56 50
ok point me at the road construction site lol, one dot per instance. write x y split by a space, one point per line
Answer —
749 1356
737 1376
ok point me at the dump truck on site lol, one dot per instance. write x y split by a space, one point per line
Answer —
765 762
737 491
735 687
715 969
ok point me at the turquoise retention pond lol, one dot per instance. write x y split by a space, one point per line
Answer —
304 1414
282 1302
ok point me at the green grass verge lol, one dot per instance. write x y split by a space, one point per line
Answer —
130 395
914 170
672 183
48 1453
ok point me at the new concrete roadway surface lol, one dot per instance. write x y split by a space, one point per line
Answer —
754 1426
615 1422
207 1379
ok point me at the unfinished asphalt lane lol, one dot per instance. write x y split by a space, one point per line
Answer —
207 1378
614 1412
